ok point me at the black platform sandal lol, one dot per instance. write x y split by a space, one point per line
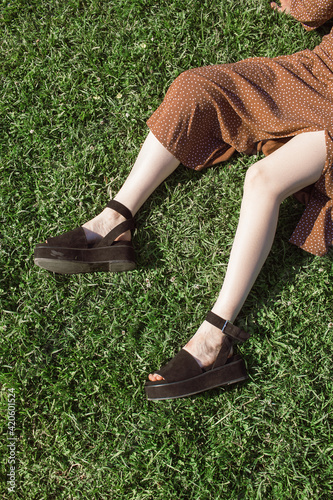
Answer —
70 253
183 376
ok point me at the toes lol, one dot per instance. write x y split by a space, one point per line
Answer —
155 377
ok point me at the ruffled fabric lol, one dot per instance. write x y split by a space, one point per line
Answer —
257 104
311 13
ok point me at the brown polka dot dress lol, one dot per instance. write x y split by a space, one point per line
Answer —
209 113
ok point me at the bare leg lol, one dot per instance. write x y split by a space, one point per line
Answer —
153 165
268 182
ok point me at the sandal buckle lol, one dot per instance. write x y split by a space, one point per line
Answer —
225 324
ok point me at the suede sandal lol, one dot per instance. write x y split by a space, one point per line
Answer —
70 253
183 376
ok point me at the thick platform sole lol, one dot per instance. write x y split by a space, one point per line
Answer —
67 267
117 258
230 373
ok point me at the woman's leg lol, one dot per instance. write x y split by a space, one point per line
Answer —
268 182
153 165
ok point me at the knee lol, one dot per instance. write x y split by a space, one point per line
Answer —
184 79
259 181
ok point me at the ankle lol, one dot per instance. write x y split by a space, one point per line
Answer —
112 219
205 344
103 223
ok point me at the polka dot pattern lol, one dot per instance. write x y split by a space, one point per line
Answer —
209 113
311 13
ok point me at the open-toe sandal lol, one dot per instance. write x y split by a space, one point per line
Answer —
70 253
183 376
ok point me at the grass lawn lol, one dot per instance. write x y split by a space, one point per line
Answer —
78 81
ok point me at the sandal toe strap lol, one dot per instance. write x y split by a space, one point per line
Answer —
182 367
71 239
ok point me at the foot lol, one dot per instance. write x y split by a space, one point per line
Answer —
204 347
98 227
102 224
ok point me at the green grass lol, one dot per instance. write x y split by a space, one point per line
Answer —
78 81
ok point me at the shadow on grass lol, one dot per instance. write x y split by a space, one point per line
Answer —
146 241
286 260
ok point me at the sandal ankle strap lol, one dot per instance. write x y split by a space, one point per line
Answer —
120 208
236 333
126 225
